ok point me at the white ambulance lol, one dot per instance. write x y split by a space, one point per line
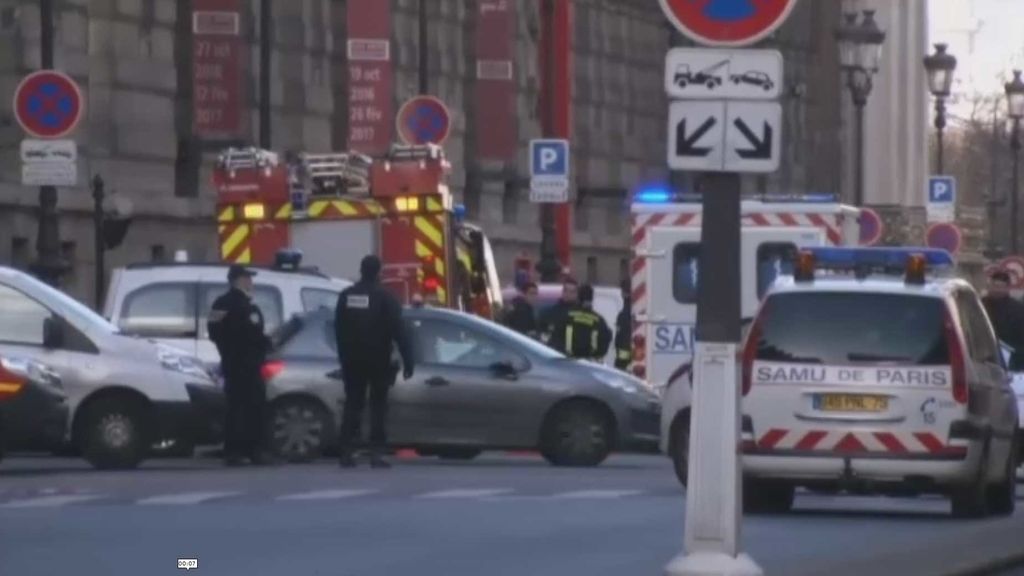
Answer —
666 248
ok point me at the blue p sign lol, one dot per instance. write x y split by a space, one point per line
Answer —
549 157
942 190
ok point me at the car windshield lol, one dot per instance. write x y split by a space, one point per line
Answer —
848 328
78 311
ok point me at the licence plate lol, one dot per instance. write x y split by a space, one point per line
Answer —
850 403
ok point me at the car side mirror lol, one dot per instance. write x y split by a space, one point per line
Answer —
53 333
505 370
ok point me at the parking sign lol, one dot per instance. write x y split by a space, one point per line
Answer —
941 198
549 171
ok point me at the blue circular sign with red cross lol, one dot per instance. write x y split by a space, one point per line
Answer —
727 22
424 120
870 227
48 104
945 236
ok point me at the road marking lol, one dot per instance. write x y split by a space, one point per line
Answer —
327 494
596 494
50 501
465 493
186 498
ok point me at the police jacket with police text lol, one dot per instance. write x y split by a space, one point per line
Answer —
368 326
581 333
236 326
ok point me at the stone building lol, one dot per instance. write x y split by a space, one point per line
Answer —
133 61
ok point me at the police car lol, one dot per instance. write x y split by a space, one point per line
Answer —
858 379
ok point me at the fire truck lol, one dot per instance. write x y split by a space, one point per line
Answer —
666 251
336 208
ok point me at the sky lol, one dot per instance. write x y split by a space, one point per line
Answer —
987 38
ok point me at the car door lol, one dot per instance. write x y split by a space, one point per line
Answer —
457 397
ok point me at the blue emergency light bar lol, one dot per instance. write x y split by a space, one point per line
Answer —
874 258
659 195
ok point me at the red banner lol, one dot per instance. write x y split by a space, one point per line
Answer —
496 114
217 52
371 117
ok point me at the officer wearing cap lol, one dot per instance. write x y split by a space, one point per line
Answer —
582 333
235 325
368 327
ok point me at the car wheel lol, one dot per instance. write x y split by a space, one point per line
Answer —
113 435
298 430
1002 498
766 497
680 449
577 435
458 453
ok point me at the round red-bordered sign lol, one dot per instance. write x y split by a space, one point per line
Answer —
48 104
727 22
424 120
945 236
871 227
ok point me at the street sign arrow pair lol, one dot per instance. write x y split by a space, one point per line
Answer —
686 146
761 148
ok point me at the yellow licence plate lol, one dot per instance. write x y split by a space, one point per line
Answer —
850 403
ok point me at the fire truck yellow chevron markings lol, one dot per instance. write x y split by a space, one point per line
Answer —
423 251
430 230
227 214
345 208
434 205
316 208
241 234
284 212
375 208
245 258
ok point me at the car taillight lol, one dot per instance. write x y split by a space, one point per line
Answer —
749 354
271 370
10 383
956 360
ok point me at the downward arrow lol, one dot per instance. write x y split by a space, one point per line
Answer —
686 145
761 148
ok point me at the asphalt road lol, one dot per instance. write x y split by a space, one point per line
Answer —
497 515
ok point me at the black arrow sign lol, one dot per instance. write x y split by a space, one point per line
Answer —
761 148
686 145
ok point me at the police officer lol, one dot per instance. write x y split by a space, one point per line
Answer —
582 333
623 331
368 327
521 315
235 325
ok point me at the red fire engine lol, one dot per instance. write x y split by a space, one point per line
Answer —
336 208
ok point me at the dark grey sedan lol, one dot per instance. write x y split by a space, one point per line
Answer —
478 386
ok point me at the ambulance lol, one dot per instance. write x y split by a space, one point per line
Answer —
666 251
336 208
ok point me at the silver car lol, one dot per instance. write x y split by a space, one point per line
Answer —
477 386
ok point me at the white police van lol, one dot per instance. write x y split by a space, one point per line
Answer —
863 381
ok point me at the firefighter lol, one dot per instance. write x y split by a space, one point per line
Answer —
558 314
521 315
623 331
368 327
236 326
582 333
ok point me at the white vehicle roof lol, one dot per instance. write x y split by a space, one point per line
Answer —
938 287
218 273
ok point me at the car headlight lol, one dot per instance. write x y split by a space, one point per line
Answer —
175 361
617 382
33 370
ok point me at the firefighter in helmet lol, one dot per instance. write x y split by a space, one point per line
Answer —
582 333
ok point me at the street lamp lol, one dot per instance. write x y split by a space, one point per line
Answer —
860 55
940 67
1015 109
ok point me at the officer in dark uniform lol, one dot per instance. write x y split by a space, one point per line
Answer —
558 314
624 330
368 327
521 315
1006 314
235 325
582 333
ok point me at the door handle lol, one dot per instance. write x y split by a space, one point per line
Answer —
437 381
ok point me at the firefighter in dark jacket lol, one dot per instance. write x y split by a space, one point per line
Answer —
522 316
1006 314
582 333
623 331
368 327
559 313
235 325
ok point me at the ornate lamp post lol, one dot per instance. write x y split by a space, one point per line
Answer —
940 67
1015 109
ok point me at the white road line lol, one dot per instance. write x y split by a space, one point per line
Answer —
596 494
186 498
327 494
50 501
464 493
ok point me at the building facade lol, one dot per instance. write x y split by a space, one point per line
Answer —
134 60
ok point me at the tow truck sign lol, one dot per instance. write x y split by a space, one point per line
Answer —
723 74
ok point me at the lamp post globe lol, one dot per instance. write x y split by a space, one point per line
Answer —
1015 109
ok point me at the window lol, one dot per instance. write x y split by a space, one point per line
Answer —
167 310
307 337
21 318
317 298
685 263
849 327
591 269
446 343
773 260
266 298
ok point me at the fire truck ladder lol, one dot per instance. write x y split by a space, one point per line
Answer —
234 159
338 173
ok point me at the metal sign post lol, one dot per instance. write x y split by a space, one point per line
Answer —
723 121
